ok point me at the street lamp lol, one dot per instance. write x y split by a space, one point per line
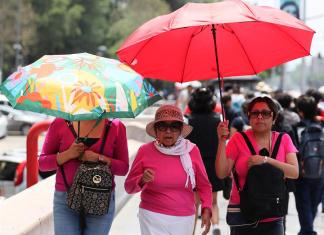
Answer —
18 57
101 50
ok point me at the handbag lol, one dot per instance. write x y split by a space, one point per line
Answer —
92 185
235 218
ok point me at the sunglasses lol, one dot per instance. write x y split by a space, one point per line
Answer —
264 113
173 126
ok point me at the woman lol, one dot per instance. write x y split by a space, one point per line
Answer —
202 117
167 170
262 112
61 149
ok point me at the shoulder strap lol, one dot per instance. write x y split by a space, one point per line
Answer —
250 146
70 126
101 147
276 146
248 142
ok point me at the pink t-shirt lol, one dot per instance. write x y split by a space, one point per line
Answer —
167 194
238 151
59 138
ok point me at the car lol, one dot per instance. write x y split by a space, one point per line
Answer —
3 126
4 100
21 121
13 172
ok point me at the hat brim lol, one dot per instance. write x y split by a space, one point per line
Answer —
186 129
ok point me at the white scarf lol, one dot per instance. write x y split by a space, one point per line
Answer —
182 147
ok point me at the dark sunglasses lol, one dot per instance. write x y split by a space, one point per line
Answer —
264 114
173 126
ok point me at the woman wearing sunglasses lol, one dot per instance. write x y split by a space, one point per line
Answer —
262 112
166 171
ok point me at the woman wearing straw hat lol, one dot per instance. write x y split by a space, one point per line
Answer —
166 171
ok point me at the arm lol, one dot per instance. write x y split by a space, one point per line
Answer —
133 182
120 161
290 168
223 165
47 159
50 157
204 190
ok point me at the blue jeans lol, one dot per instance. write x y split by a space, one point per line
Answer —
268 228
67 222
308 196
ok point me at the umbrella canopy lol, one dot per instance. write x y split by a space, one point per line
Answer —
200 41
79 87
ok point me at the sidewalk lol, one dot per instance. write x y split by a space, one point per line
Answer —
126 222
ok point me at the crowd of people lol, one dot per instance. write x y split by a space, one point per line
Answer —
198 151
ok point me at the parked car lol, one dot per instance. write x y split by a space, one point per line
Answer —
3 126
13 172
4 100
20 121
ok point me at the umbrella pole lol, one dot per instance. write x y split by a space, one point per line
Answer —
218 73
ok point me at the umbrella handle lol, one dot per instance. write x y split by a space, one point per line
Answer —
218 73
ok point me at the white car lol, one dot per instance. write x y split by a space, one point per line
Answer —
13 172
3 126
21 121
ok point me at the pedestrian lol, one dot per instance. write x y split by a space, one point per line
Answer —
183 97
166 171
236 157
309 188
61 150
204 134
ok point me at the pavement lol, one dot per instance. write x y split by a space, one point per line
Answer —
126 221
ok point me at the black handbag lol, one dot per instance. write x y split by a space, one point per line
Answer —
235 218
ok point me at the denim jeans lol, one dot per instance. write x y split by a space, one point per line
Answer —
308 196
67 222
268 228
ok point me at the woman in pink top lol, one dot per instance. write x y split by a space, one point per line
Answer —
166 171
262 112
60 148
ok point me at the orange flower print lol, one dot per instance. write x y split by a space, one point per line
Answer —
86 90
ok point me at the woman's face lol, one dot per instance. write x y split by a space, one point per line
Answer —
261 117
167 133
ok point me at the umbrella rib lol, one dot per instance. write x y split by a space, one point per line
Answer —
138 51
248 58
291 38
185 61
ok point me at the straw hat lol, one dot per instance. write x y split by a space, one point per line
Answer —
168 113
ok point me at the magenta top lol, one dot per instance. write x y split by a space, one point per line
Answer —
59 138
167 194
238 151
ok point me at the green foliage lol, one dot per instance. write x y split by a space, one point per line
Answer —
134 14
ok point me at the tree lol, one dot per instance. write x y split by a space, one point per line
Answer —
70 26
16 26
130 16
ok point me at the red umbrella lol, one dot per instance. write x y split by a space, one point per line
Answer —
200 41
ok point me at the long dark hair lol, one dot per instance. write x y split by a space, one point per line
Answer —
201 101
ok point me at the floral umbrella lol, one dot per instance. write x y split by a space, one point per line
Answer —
79 87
